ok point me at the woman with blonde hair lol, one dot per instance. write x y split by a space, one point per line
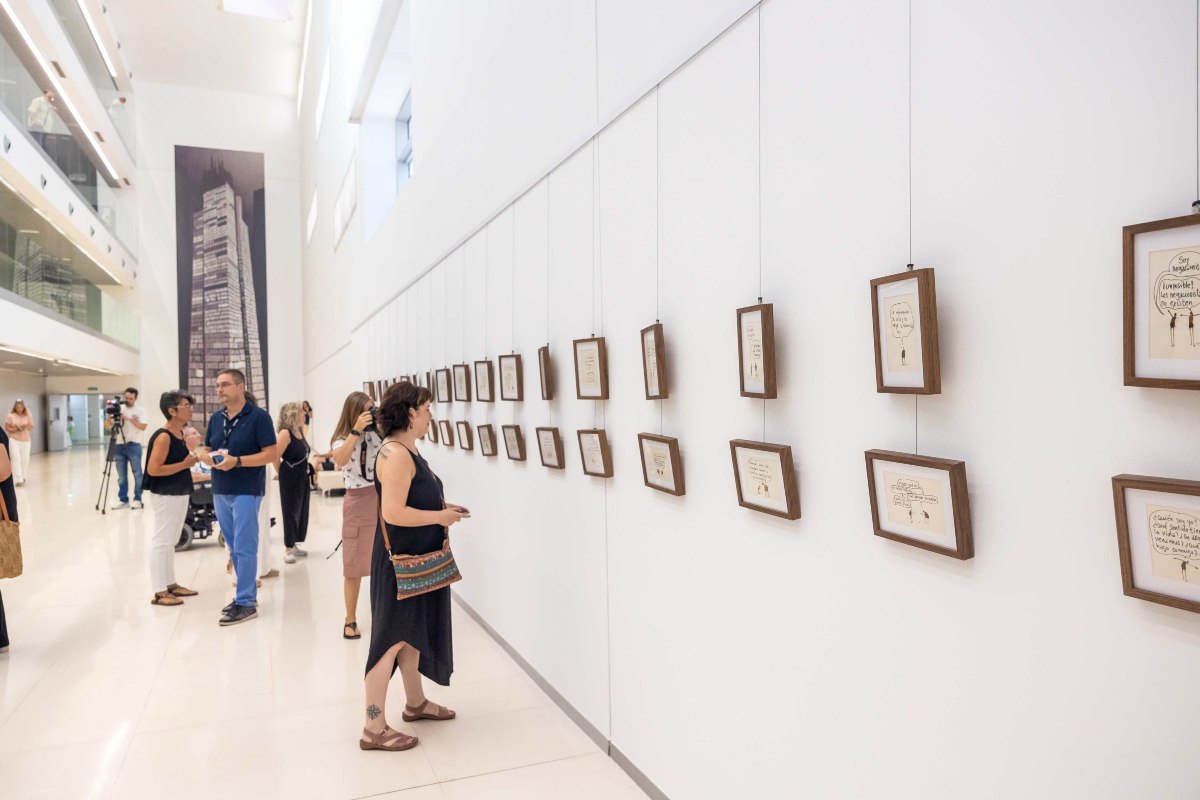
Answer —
19 425
355 444
291 464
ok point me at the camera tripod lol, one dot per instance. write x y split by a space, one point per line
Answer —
116 437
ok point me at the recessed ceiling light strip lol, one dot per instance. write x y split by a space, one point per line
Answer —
87 17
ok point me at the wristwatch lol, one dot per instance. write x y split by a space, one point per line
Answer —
238 463
357 433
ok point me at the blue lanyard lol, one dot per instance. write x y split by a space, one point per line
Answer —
227 428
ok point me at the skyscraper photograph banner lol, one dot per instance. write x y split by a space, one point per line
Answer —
221 258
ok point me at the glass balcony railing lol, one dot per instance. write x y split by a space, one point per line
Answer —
30 270
117 103
39 112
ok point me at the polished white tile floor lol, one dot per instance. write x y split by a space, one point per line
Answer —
104 696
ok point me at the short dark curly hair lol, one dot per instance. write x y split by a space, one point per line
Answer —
171 399
398 400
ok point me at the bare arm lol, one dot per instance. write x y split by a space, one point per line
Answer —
281 444
341 454
5 464
156 465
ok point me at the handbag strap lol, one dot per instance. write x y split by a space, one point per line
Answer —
3 509
382 523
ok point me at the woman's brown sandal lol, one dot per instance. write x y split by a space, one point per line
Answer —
165 599
181 591
353 628
414 713
387 739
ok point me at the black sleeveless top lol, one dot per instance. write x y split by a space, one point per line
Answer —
177 484
296 453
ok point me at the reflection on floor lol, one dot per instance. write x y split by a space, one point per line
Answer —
105 696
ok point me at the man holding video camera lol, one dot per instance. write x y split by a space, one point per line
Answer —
132 420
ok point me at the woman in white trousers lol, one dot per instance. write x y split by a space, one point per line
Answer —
19 426
169 482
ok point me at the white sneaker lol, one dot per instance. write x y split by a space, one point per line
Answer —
118 506
289 557
300 552
136 504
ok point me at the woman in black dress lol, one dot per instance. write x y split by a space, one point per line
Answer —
10 502
411 634
291 464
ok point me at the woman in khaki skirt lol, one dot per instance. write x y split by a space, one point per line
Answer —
355 446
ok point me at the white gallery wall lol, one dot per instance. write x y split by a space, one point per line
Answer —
170 115
725 652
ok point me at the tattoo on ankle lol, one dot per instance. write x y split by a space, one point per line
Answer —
374 711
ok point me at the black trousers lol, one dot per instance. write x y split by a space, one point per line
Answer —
294 497
3 625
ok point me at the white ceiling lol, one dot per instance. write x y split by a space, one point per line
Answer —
195 43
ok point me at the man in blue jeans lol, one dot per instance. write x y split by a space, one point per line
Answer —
134 420
239 445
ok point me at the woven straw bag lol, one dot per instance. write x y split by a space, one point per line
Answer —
11 565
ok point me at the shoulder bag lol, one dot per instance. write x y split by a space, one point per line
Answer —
416 575
11 565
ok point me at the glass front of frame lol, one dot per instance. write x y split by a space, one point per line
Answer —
483 381
900 333
548 447
589 366
915 502
760 474
1166 297
591 449
510 377
754 349
659 464
1164 542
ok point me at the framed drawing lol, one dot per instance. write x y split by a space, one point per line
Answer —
1158 535
447 432
595 453
921 501
429 383
756 350
654 362
369 388
432 432
765 478
466 440
662 469
904 314
1162 295
591 369
487 440
442 389
550 448
462 383
512 378
514 442
545 373
485 380
381 388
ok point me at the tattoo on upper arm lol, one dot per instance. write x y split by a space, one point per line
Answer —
374 711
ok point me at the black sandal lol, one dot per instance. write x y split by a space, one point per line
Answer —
352 626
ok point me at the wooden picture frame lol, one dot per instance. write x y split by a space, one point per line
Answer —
485 381
462 382
1158 539
429 384
591 368
512 378
1161 278
447 432
654 362
765 478
369 388
756 351
550 448
487 440
442 386
662 467
904 321
595 452
466 439
514 442
921 501
431 432
545 373
381 387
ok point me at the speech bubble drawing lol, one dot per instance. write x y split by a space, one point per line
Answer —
900 316
906 491
1177 288
1175 534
